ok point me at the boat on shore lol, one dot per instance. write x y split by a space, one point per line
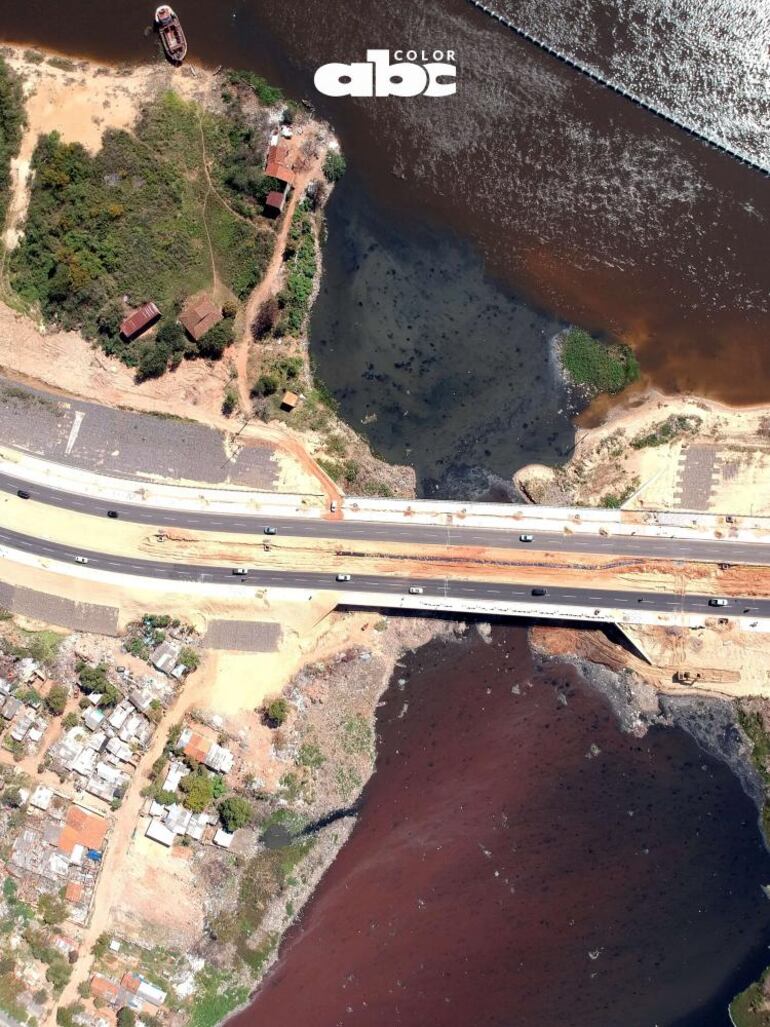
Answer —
171 33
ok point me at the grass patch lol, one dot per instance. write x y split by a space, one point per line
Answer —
666 431
218 995
749 1008
357 736
600 367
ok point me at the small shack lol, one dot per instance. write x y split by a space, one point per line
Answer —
279 162
199 317
289 401
139 321
274 202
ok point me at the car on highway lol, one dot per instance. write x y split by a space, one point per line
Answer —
539 592
415 590
718 602
22 493
526 538
270 530
81 559
333 506
343 577
241 571
112 513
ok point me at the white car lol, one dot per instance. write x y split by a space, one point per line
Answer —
240 571
81 559
526 538
718 602
343 577
415 590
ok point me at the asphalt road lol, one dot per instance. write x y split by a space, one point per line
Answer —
313 581
722 551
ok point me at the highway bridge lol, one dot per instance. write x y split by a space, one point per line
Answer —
474 593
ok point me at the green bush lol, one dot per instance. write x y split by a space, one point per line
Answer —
600 367
276 712
11 123
198 791
335 166
56 699
235 812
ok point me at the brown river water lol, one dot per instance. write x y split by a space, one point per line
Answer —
519 861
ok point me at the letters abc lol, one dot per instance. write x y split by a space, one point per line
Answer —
378 77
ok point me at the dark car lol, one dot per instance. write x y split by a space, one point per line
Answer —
539 592
112 513
22 493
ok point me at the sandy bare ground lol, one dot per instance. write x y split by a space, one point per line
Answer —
728 662
605 463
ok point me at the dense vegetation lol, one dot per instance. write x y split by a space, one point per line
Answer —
11 122
300 258
139 219
599 367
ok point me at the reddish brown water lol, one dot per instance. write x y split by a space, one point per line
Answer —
494 855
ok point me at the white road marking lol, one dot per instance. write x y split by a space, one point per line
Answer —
74 430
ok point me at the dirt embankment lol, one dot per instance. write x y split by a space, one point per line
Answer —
661 452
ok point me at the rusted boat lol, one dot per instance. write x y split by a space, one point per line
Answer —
171 34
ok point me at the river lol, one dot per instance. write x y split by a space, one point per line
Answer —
520 861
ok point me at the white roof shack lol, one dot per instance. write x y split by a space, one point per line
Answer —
223 839
37 730
120 714
175 774
22 726
166 656
177 819
84 762
78 854
27 668
220 759
41 797
158 832
147 991
119 749
97 741
93 718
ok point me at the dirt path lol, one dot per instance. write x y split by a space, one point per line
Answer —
269 285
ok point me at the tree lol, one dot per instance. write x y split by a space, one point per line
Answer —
56 699
12 797
230 402
265 318
101 945
266 385
153 360
276 712
335 166
126 1017
52 909
58 973
199 791
189 658
235 812
70 720
92 679
216 340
